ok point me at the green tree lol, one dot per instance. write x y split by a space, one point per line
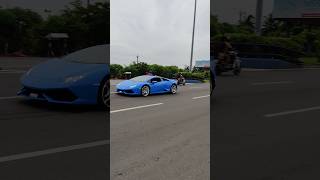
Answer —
137 69
116 70
7 24
18 28
156 69
247 25
271 27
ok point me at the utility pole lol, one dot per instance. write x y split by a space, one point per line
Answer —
259 11
137 59
242 14
194 24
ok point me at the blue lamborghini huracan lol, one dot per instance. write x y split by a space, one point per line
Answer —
81 77
146 85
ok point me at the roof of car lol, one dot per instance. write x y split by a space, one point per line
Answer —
153 76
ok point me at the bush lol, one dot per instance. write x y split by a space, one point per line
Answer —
138 69
196 76
288 43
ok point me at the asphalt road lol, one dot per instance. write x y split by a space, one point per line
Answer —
46 141
265 125
161 137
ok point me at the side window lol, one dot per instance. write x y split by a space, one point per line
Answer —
155 79
164 79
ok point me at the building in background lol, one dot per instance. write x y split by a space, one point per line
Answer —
202 65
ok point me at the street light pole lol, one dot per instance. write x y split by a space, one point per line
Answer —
194 24
259 10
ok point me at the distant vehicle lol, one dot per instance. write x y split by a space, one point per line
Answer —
81 77
146 85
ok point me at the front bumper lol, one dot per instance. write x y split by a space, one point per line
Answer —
128 91
57 95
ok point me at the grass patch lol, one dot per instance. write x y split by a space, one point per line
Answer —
310 61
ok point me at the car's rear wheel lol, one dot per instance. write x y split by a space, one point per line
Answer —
174 89
104 93
145 90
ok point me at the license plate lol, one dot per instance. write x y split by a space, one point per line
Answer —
34 95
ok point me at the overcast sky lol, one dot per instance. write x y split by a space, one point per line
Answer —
159 31
228 10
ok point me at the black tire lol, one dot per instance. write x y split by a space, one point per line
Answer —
145 90
104 93
173 89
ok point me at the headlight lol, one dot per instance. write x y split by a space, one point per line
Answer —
73 79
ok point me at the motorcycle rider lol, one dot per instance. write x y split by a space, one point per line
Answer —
224 56
180 78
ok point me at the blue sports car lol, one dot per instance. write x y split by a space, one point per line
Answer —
81 77
146 85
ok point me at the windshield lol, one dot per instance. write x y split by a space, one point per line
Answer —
92 55
141 78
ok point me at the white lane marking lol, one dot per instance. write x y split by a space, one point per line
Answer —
10 97
200 97
292 112
52 151
271 83
133 108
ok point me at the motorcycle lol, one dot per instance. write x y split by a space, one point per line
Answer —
181 81
233 65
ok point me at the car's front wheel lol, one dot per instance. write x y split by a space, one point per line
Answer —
174 89
104 95
145 90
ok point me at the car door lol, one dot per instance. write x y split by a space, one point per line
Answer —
155 85
166 84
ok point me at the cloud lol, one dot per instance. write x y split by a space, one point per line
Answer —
158 31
